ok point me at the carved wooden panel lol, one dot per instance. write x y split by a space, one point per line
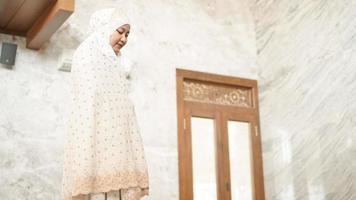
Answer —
206 92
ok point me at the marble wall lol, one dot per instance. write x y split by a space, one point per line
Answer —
204 35
307 61
306 53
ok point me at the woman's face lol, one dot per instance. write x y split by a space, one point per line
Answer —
118 39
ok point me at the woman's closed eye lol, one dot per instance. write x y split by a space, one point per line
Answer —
120 31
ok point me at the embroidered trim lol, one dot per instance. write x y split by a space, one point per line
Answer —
106 183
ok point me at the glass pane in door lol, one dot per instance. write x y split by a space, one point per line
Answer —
203 156
240 160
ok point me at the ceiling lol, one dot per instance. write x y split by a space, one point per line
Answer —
36 20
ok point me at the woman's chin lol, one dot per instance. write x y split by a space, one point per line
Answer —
117 50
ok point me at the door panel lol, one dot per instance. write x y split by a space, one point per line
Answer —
240 154
203 157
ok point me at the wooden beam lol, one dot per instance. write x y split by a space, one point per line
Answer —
12 32
28 14
48 23
8 10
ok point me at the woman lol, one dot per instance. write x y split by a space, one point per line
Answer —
104 156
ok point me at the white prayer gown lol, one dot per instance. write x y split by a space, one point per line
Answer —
104 150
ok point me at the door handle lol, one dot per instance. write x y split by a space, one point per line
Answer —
227 184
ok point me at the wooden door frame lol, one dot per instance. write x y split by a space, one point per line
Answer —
186 109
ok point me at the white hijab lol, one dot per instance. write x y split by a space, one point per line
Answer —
102 24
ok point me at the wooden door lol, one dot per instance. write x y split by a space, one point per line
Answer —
219 144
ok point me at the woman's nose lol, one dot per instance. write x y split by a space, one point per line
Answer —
123 38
